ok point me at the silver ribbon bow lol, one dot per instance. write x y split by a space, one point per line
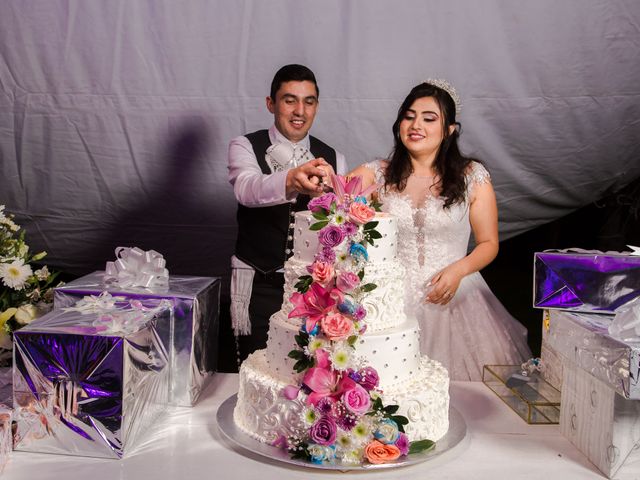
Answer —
137 268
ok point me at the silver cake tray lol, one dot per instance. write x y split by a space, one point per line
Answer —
224 416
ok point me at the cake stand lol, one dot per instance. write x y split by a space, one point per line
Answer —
224 416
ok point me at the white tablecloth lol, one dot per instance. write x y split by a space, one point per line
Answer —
187 444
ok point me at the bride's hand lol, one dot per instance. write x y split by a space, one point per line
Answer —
444 285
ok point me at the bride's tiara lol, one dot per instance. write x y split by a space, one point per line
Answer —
447 87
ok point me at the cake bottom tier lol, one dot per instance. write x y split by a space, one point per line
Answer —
264 414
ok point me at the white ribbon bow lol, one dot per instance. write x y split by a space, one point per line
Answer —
95 304
136 268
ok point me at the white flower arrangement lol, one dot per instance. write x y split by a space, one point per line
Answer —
25 294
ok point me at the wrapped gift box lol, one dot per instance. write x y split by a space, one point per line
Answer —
599 422
196 303
551 359
6 437
586 282
536 401
584 340
90 384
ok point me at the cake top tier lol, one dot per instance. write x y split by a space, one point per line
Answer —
306 242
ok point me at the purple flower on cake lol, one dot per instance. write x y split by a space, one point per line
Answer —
325 405
359 313
325 255
347 281
323 202
403 443
331 236
350 229
347 421
357 400
369 378
323 432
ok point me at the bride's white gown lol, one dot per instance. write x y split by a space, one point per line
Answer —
474 329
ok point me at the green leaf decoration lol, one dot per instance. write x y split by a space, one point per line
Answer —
302 339
367 287
319 225
375 204
352 340
303 284
375 234
322 215
391 409
421 446
361 274
370 226
400 420
296 354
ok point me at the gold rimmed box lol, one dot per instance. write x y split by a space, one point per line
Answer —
535 401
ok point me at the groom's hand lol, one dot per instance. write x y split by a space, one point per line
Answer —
307 179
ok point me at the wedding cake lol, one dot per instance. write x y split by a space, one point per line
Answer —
342 331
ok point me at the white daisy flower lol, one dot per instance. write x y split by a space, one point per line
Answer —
341 358
15 274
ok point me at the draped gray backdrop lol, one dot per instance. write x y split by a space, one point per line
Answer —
115 116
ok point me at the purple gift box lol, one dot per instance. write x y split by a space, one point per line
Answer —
195 340
585 281
90 384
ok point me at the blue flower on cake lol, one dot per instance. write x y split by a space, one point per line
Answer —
344 417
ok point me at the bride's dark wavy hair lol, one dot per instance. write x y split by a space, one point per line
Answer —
450 165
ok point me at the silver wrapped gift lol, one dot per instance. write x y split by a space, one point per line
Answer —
584 339
6 437
195 301
90 384
585 281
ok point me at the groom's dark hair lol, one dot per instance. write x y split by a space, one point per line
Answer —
292 73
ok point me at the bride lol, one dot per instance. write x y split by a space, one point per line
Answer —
439 197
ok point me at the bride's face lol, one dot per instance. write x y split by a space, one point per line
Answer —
421 129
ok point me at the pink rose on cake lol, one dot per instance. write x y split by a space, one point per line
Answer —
336 326
347 281
357 400
323 202
331 236
322 272
360 213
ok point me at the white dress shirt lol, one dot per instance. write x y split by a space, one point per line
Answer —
253 188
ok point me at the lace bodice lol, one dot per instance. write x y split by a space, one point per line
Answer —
429 237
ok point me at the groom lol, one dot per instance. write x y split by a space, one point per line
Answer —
273 172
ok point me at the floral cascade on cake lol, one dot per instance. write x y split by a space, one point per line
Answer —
345 420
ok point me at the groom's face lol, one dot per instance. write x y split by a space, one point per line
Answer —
294 108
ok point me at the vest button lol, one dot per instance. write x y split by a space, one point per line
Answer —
287 251
294 201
